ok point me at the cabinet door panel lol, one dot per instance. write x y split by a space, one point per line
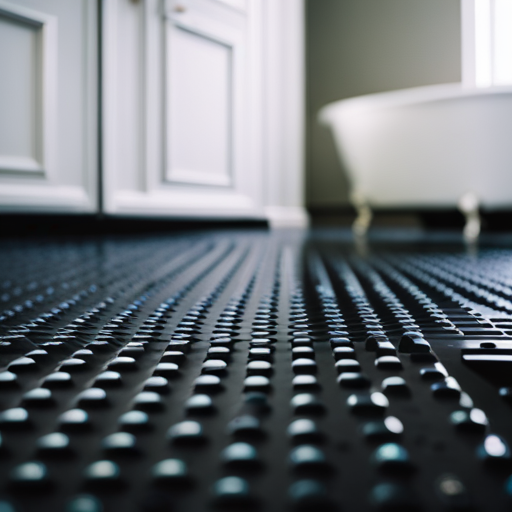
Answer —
47 105
199 145
192 85
19 87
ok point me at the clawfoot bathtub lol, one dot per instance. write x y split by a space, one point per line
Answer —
427 147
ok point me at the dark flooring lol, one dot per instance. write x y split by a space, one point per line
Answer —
256 370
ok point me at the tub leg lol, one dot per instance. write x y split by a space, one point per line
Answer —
364 217
469 207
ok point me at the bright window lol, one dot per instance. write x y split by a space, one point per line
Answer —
486 42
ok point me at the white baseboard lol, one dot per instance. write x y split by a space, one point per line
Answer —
287 216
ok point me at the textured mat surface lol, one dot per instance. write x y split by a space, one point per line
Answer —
250 371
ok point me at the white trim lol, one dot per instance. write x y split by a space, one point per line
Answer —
146 99
194 177
19 164
284 109
108 92
185 203
91 64
28 197
46 106
287 216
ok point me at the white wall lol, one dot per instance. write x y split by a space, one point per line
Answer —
357 47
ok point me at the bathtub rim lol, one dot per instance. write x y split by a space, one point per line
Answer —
405 97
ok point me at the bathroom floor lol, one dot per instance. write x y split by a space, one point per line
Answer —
255 370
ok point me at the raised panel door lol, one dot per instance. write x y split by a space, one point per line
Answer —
48 70
186 76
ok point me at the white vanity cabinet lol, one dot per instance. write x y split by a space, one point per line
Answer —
183 99
48 106
156 108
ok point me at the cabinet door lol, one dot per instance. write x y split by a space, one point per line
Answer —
48 122
181 108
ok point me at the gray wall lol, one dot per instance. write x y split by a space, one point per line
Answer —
359 47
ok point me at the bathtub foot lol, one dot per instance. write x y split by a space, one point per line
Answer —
364 217
469 207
